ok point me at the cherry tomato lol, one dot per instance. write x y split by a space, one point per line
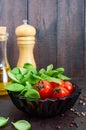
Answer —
68 85
57 84
44 88
60 92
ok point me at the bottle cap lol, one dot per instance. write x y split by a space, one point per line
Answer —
2 30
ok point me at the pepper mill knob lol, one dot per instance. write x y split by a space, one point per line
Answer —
25 30
26 40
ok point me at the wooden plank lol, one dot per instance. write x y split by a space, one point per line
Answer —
43 15
85 40
70 37
11 15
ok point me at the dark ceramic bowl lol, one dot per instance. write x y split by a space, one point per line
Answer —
45 107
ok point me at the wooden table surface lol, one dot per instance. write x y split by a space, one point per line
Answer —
67 121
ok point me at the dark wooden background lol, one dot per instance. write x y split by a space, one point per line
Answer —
60 37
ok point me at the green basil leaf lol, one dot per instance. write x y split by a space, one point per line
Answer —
13 77
50 79
26 77
22 125
52 73
15 87
32 93
60 70
28 85
19 77
3 121
33 79
55 72
41 71
15 70
63 77
23 92
49 67
23 71
30 67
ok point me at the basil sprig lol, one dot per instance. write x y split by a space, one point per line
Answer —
24 79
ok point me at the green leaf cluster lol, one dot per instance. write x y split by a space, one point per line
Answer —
24 79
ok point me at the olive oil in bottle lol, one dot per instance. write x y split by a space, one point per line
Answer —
4 65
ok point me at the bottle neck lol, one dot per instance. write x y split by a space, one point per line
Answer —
3 53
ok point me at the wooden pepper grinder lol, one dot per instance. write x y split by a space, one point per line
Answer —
26 40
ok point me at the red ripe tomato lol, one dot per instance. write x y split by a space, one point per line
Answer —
60 92
68 85
57 84
44 88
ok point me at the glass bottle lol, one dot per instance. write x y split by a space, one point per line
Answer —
4 65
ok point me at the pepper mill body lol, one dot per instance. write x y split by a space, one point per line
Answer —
26 41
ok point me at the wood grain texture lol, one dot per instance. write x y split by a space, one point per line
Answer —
60 34
85 38
70 37
11 15
43 16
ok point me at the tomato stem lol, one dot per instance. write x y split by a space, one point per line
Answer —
57 89
40 85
